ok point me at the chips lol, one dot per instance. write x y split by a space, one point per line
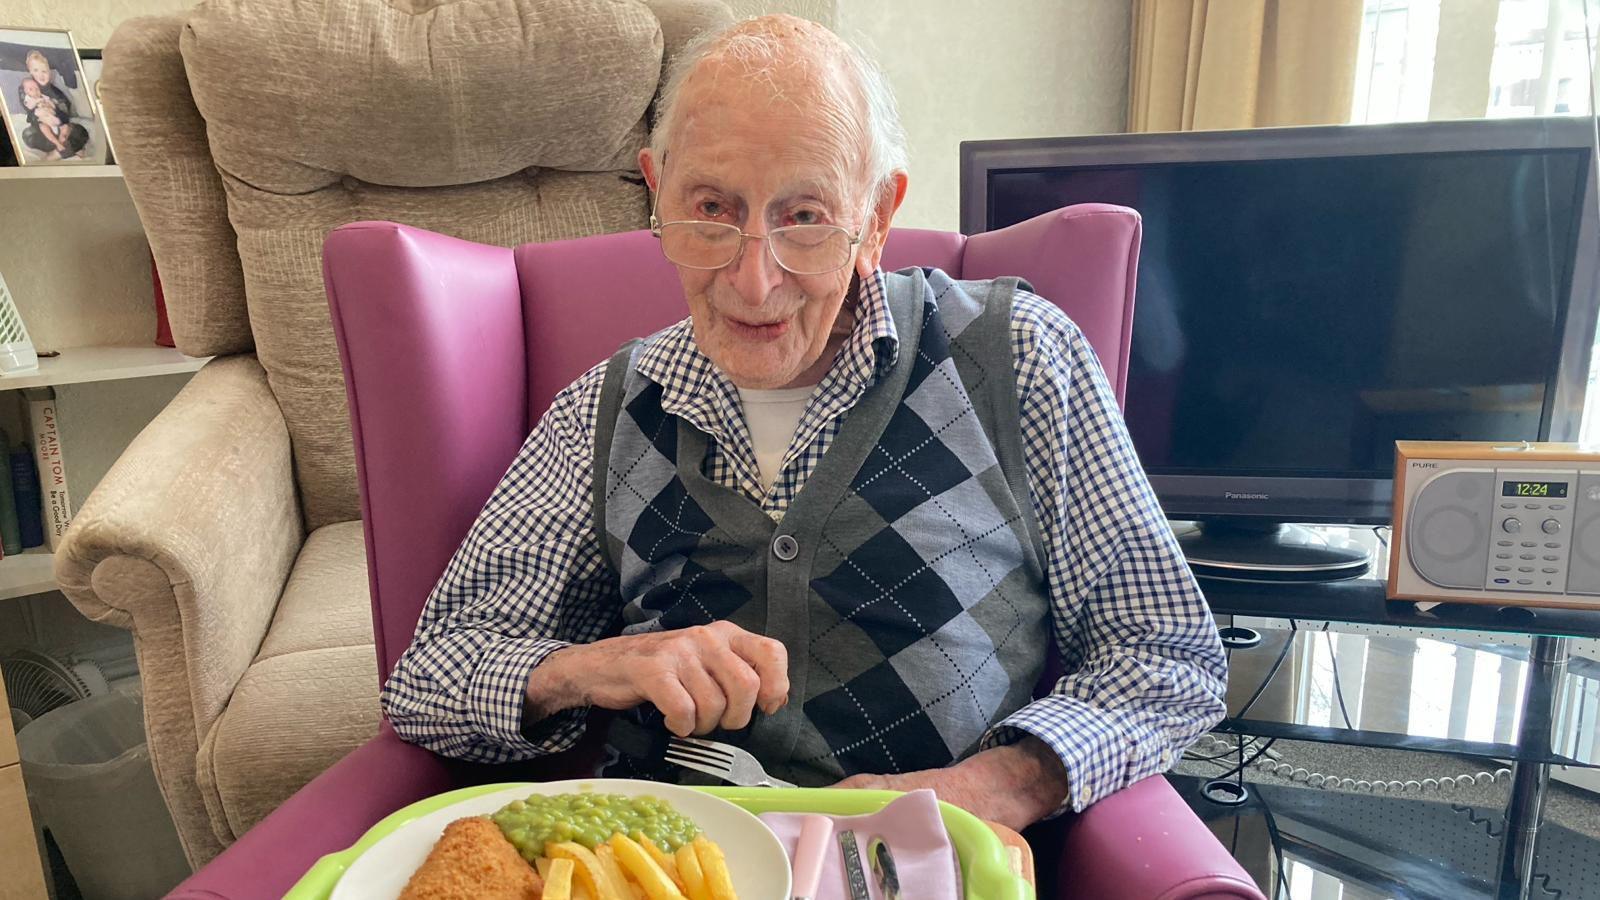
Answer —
715 868
628 868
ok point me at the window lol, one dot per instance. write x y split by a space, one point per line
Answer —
1447 59
1420 59
1541 59
1394 73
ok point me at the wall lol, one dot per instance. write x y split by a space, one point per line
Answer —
823 11
1005 69
975 71
961 70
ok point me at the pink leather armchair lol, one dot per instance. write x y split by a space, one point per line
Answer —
452 349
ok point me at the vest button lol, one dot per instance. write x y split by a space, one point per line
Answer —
785 547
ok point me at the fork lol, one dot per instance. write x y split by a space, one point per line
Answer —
725 761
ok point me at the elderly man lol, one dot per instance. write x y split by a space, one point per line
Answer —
835 516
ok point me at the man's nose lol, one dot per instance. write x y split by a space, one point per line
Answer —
754 272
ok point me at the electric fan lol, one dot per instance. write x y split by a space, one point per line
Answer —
37 683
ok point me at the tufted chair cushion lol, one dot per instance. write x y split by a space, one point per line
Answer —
499 121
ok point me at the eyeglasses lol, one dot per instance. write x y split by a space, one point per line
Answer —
799 249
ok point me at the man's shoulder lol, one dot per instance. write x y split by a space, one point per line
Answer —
576 405
1043 338
1034 314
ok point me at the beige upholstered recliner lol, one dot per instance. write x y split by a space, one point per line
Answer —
228 538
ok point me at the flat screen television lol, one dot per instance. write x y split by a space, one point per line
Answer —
1307 296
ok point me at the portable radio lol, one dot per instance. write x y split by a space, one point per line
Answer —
1513 524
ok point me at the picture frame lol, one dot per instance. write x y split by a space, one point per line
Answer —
93 63
51 115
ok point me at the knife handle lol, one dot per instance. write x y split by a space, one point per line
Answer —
808 855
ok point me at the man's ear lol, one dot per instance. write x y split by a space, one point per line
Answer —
647 165
890 196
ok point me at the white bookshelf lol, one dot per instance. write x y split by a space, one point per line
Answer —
81 365
30 572
33 173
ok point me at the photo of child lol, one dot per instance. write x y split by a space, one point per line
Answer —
45 119
49 111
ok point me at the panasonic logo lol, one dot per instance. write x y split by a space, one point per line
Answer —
1230 495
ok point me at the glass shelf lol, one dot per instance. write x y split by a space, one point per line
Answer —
1372 847
1410 693
1365 599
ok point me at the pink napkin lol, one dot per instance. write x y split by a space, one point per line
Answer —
915 834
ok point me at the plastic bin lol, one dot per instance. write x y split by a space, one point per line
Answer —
88 773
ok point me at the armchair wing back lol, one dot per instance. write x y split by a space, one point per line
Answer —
499 122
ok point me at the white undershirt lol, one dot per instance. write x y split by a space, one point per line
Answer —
773 417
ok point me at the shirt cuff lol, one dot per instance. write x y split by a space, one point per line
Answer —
499 698
1101 753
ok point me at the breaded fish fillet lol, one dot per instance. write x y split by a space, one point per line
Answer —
473 861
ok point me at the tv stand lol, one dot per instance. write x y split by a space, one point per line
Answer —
1539 740
1235 550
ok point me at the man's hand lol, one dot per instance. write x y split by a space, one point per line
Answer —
1015 785
700 678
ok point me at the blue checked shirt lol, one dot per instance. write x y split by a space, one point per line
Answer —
1145 670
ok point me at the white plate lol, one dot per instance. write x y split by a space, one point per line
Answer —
756 860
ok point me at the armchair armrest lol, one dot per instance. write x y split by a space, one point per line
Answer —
187 542
1109 850
325 816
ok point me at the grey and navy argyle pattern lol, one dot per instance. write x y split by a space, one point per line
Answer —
1144 669
914 609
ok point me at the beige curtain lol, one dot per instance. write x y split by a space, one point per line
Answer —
1206 64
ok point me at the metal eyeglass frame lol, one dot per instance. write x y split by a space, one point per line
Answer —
656 225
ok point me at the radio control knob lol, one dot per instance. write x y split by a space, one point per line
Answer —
1551 526
1512 525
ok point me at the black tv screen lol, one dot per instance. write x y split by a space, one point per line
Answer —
1295 317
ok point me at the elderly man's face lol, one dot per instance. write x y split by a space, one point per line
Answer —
741 157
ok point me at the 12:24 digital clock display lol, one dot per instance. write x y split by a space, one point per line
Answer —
1533 489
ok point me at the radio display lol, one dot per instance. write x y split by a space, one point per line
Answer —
1533 489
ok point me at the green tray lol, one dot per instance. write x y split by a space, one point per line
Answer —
985 871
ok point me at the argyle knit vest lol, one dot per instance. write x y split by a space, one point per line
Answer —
906 576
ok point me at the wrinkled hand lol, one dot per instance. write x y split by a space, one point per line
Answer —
701 678
953 785
1015 785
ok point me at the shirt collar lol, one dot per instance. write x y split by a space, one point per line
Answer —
691 383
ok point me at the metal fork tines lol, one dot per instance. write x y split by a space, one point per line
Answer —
725 761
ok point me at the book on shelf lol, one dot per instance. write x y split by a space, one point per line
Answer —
45 424
10 531
25 487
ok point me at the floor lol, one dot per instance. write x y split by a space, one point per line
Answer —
1433 841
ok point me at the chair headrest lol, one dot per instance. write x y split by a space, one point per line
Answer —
415 93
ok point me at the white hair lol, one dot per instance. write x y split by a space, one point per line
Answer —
761 52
